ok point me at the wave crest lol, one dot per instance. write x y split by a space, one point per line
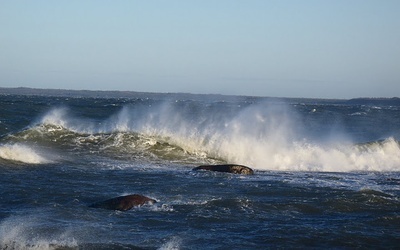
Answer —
25 233
21 153
264 136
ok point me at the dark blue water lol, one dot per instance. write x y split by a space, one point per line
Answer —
327 173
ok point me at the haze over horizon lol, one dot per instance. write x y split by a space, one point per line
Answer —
311 49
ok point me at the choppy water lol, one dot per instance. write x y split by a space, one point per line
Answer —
327 173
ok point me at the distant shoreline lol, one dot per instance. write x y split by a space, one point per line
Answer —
135 94
72 93
126 94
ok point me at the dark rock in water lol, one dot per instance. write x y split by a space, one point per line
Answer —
227 168
124 203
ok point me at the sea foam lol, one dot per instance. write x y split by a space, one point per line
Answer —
23 233
265 136
21 153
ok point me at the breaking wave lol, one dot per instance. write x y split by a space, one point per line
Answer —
22 153
23 233
264 136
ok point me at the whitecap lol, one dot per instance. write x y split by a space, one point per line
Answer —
22 233
173 244
22 153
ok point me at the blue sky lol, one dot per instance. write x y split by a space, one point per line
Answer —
323 49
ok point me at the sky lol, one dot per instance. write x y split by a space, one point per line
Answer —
277 48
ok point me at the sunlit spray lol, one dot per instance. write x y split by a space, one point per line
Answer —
265 136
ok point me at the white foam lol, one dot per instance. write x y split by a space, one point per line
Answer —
21 153
265 137
277 150
23 233
329 158
173 244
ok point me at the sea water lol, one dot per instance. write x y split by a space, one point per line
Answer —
327 172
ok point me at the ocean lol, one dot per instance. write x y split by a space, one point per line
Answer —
326 172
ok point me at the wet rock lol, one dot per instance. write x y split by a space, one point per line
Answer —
124 203
227 168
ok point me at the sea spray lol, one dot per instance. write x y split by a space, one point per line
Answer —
265 136
268 137
63 118
23 232
149 147
22 153
173 244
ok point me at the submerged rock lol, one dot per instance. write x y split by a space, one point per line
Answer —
227 168
124 203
